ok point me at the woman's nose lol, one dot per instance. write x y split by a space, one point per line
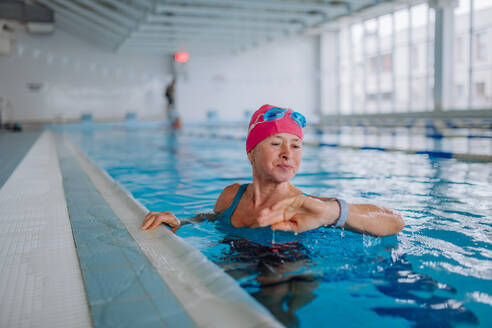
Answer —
285 151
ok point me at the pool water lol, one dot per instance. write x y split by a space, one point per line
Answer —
437 272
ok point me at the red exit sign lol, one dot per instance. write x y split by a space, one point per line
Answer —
181 57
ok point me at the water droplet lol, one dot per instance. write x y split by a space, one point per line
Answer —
296 233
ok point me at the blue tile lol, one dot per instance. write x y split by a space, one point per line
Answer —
121 236
87 222
138 313
102 211
113 223
92 236
101 256
115 283
133 253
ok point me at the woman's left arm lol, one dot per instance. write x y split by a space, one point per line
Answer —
302 213
373 220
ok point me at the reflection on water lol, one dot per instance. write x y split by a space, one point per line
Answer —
284 278
437 272
277 276
421 304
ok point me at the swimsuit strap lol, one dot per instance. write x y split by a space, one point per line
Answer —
226 216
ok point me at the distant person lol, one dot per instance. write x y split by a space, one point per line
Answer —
170 89
274 149
172 114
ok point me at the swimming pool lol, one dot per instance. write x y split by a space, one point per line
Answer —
437 272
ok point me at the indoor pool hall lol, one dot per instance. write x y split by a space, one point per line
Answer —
245 163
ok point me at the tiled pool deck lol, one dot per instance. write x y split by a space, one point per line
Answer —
72 254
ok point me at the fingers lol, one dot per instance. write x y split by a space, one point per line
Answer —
147 220
281 211
286 226
156 222
154 219
268 217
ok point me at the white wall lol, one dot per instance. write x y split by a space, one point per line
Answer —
78 78
282 73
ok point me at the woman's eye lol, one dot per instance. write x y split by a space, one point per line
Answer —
275 144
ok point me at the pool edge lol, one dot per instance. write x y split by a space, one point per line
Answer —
207 293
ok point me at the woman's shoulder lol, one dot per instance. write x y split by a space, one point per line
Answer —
297 191
226 197
323 199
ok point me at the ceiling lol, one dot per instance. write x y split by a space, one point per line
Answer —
206 26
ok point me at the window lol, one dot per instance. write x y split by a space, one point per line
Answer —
481 65
458 50
345 71
472 33
481 99
481 46
386 63
459 90
381 63
374 64
480 89
415 57
358 76
401 65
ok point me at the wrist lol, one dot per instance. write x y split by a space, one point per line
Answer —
333 212
341 212
343 216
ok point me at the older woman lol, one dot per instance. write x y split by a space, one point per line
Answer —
274 148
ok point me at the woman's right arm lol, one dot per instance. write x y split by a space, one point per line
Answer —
154 219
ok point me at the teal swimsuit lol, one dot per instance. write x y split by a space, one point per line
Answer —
264 236
226 216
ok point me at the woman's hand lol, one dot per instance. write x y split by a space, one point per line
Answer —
302 213
154 219
299 214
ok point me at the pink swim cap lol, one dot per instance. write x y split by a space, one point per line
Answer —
259 129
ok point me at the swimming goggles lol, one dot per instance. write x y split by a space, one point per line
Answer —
274 114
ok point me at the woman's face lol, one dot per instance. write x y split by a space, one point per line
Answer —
278 157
